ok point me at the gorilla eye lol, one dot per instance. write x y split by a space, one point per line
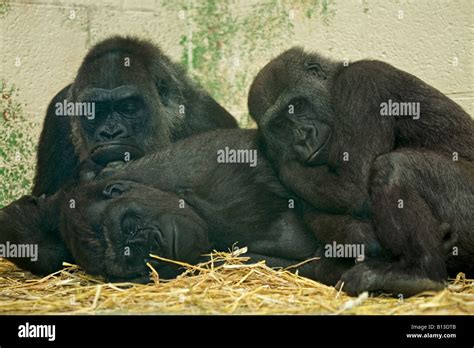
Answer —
316 70
102 109
129 106
130 224
298 107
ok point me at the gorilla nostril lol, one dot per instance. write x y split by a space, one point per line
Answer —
104 135
108 135
113 131
118 132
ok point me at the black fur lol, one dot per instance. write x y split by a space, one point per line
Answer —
232 202
140 205
164 89
337 111
34 221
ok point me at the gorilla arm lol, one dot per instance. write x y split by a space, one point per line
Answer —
57 160
32 221
324 189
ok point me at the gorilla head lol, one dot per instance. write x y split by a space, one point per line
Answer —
289 100
135 92
115 225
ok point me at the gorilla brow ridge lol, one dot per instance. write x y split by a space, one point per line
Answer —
129 45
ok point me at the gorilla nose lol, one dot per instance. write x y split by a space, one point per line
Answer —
111 132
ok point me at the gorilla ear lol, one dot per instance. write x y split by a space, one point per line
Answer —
317 70
115 189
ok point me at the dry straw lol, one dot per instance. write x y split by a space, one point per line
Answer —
224 285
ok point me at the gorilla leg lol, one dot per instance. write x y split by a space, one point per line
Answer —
32 222
414 194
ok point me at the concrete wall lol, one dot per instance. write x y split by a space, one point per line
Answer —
432 39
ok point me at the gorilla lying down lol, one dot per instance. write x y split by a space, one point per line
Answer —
179 203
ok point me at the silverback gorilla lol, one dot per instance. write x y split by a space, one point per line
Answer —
406 180
179 203
140 101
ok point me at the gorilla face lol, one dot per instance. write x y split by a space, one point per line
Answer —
134 112
118 224
299 126
120 115
289 100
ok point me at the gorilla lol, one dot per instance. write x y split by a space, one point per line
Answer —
128 99
120 223
403 180
180 203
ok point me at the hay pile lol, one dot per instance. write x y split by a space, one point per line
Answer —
208 288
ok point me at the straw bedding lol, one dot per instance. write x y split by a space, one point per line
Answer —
224 285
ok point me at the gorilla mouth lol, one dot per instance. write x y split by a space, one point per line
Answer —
115 151
320 155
